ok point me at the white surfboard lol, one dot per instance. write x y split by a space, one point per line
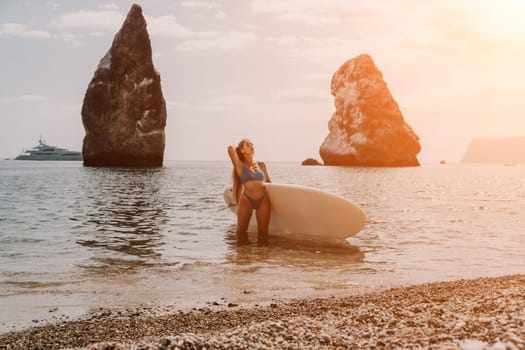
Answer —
307 211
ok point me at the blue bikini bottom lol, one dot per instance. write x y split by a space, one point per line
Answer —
256 203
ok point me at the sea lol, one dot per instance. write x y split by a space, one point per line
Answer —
75 239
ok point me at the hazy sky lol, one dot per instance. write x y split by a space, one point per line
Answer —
262 69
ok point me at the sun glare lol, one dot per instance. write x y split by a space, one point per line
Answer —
505 19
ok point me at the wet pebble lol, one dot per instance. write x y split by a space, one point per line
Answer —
449 315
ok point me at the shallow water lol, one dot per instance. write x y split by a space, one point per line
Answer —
75 238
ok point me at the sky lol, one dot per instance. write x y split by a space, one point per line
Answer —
262 69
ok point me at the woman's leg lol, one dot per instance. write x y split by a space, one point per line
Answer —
244 214
263 220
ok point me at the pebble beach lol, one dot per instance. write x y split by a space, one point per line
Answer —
484 313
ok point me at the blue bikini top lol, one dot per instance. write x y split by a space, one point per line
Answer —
248 175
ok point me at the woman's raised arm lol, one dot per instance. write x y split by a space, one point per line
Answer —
236 162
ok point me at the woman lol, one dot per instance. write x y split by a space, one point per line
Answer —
249 192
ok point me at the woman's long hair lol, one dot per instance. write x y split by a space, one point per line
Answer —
237 186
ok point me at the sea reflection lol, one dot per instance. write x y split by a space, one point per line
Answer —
293 251
125 216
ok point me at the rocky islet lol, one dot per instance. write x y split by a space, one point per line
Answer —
367 127
124 112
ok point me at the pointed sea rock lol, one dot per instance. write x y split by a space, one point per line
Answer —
367 127
124 112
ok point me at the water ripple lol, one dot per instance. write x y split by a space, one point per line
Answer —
61 221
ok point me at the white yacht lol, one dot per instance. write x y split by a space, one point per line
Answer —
46 152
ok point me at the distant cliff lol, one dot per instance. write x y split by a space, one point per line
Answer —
507 150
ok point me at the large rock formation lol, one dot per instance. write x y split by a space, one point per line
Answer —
507 150
124 112
367 127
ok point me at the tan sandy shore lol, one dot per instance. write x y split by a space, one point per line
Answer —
485 313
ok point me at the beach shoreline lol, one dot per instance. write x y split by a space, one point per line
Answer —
482 313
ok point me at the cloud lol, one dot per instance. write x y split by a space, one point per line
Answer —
251 26
221 15
305 96
110 7
206 9
324 77
73 27
105 20
99 23
206 5
24 99
312 19
53 5
232 102
21 30
329 52
233 40
169 26
312 12
71 38
226 102
205 16
108 20
178 105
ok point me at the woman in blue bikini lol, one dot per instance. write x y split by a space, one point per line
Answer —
249 191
